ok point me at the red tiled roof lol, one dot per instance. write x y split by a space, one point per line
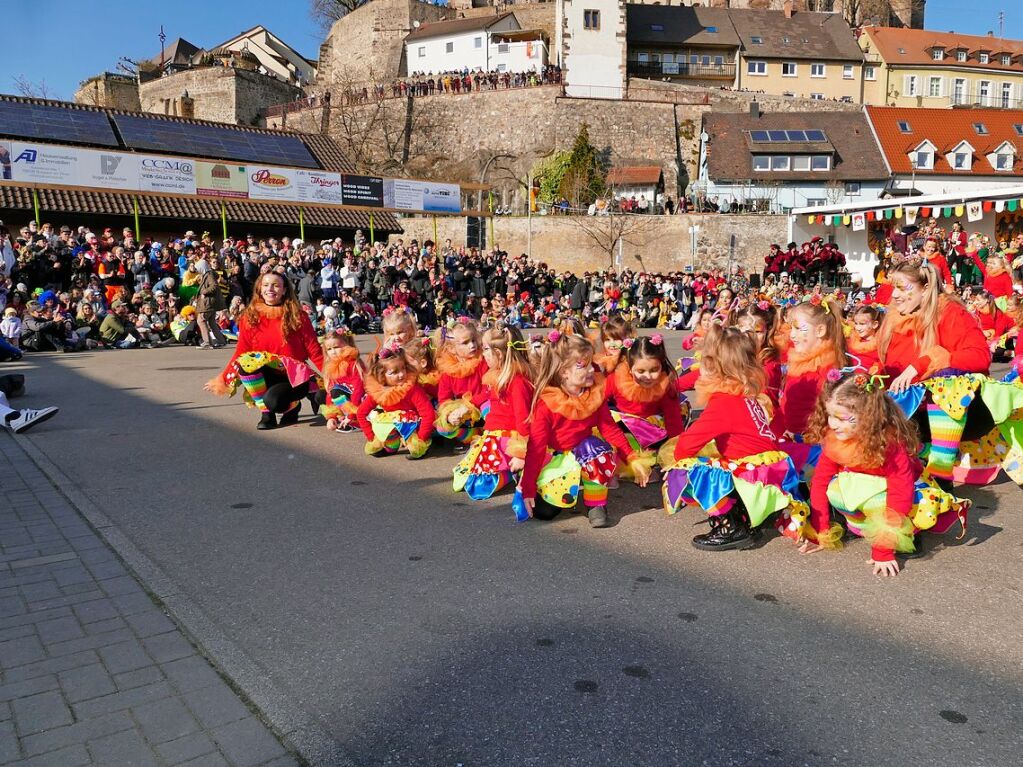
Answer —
634 175
919 43
946 129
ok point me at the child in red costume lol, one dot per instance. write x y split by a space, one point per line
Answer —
563 455
420 355
344 389
460 391
704 322
993 321
861 344
997 277
817 348
869 473
760 321
728 462
396 411
615 332
642 395
500 451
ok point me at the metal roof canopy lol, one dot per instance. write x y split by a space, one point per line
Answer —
926 201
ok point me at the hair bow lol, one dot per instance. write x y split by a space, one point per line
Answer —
657 339
554 336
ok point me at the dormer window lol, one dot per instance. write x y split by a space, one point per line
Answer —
961 55
1003 157
938 54
984 58
961 156
922 158
1006 59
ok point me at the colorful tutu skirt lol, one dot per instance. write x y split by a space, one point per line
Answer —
248 372
339 403
767 483
484 469
642 433
392 428
470 427
585 469
804 456
949 402
863 500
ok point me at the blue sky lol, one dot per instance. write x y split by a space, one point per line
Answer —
65 41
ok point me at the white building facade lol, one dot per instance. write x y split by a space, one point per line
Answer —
593 47
449 46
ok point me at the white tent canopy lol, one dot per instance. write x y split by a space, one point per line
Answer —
853 237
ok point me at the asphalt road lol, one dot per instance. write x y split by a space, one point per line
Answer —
418 628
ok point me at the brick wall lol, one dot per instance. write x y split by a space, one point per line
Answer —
662 243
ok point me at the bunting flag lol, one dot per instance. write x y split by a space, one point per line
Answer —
975 211
999 206
1012 205
898 213
859 222
946 212
888 214
925 212
988 206
870 215
846 220
911 216
811 219
960 210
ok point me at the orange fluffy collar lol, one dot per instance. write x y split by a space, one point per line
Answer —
609 362
270 312
336 368
813 361
387 395
451 365
429 379
633 392
857 344
575 408
848 453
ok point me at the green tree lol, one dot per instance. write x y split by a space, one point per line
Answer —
548 172
584 179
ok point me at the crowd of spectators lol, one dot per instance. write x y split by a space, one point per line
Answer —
64 289
466 81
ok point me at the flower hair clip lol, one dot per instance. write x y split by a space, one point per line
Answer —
657 339
554 336
763 305
834 376
628 342
389 351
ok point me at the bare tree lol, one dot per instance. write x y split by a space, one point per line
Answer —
35 90
882 12
605 232
326 12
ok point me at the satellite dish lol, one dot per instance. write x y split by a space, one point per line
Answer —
415 24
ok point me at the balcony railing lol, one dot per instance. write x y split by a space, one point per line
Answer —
995 101
660 69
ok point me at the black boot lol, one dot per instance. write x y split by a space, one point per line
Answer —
268 421
291 417
727 531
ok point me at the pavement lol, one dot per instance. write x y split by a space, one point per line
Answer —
92 670
372 617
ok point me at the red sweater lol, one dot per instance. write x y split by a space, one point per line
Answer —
997 322
460 377
509 410
960 344
415 400
739 426
774 380
864 351
802 386
551 428
267 336
900 469
997 285
938 262
621 384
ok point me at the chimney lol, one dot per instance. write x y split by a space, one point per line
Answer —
754 110
787 9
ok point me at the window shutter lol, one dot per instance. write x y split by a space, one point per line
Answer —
907 85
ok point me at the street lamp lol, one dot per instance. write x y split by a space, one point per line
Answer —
694 230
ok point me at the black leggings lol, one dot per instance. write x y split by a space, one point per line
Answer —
280 394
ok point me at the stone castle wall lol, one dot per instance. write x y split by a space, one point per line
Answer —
653 244
109 90
221 94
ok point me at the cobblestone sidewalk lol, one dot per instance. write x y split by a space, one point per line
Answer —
92 672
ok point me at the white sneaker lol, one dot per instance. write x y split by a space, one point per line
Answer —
26 419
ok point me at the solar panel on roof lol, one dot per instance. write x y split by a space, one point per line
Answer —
141 132
777 135
796 135
816 135
759 135
45 122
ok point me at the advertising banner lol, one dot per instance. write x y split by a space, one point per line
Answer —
319 186
166 174
40 163
221 179
404 194
6 169
108 170
367 191
269 183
